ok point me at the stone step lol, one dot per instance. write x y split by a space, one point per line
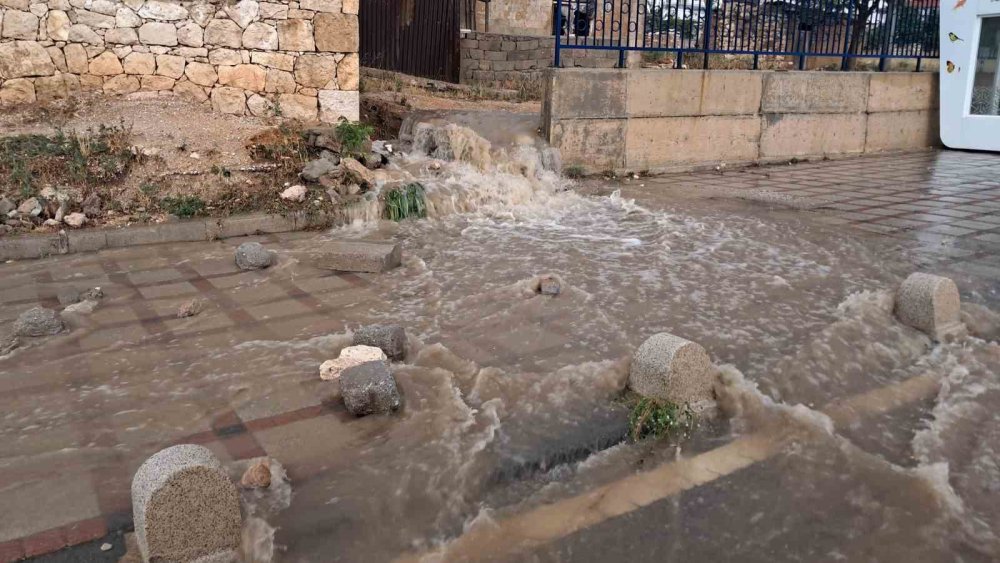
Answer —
359 256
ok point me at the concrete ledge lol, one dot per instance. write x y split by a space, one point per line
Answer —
31 246
192 230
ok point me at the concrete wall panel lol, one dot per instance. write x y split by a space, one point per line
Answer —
903 91
815 92
888 131
798 135
656 142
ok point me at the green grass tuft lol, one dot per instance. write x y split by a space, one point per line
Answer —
408 201
650 417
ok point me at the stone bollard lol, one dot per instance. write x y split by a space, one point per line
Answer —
930 304
670 368
185 507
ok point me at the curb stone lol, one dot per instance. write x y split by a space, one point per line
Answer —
26 247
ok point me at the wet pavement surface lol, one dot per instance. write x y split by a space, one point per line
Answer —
759 266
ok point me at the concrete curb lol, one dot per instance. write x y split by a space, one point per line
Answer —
190 230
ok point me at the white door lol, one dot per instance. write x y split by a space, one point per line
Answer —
970 74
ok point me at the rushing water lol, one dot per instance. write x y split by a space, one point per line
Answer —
511 396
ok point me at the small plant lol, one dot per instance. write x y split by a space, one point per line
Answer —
354 136
575 171
149 190
184 206
221 171
650 417
408 201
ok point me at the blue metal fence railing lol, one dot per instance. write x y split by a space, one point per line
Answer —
848 29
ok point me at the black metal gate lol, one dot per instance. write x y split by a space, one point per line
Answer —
417 37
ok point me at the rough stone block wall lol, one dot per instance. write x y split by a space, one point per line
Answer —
521 17
297 59
500 60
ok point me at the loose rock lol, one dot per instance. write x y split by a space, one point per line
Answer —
92 205
315 169
190 309
295 193
92 294
670 368
75 220
391 339
38 321
258 475
6 206
30 206
357 172
185 507
253 256
350 357
549 285
369 388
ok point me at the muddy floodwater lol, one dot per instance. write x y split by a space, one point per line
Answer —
842 434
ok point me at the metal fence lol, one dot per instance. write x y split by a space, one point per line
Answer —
413 37
848 29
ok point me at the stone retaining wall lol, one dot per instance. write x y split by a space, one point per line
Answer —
498 60
295 59
659 120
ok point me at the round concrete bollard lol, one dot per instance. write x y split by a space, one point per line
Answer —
670 368
930 304
185 507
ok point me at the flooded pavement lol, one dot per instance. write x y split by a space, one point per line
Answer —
847 435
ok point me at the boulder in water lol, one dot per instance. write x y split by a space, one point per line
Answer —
38 321
391 339
369 388
549 285
670 368
930 304
253 256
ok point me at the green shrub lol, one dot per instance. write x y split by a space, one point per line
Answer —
404 202
183 206
354 136
650 417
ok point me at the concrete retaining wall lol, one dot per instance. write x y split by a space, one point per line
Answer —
297 59
660 120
